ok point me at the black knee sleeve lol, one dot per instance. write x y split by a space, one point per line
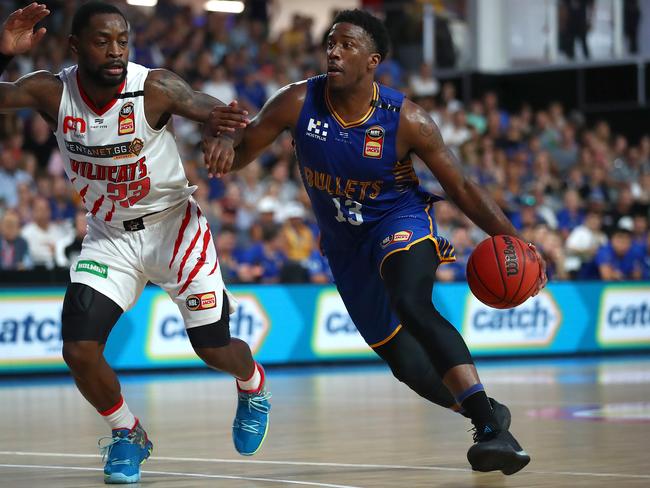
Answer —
216 334
411 365
409 281
87 314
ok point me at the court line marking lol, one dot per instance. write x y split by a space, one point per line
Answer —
330 465
188 475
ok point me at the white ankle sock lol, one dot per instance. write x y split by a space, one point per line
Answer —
253 383
119 416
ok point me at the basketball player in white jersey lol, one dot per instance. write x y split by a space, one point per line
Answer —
110 118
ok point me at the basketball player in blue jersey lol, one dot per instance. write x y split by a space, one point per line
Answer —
354 140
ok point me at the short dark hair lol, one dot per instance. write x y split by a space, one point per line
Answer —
371 24
88 10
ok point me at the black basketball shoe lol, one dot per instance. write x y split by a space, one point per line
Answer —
501 414
496 450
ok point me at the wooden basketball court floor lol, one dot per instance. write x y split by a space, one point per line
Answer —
586 423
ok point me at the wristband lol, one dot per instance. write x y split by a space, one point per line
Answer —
4 62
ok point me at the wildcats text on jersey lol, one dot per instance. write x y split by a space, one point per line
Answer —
116 174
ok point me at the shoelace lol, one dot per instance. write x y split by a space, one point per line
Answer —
254 403
105 450
477 435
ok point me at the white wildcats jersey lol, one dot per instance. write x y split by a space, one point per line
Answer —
120 166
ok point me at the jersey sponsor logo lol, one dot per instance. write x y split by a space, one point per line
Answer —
115 174
98 124
115 151
317 129
624 317
201 301
92 267
401 236
343 137
373 146
126 122
74 124
355 190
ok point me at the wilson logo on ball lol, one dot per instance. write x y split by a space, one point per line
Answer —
512 262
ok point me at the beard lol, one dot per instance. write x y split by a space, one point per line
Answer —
101 78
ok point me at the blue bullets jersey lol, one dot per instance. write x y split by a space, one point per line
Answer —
350 169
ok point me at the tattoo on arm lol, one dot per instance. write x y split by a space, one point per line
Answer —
182 99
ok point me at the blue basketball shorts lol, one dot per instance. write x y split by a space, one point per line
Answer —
356 268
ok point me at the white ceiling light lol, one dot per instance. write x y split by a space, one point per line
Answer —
143 3
228 6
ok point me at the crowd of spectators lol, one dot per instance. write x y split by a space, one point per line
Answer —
580 193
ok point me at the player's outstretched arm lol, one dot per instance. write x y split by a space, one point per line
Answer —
17 36
419 133
280 112
167 93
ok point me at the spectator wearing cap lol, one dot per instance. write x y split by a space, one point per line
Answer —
582 244
42 235
297 234
617 260
267 211
14 251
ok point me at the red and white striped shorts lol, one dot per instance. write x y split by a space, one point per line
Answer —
175 250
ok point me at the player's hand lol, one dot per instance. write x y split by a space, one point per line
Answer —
543 279
17 35
228 118
218 154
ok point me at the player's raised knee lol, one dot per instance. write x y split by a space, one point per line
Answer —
81 355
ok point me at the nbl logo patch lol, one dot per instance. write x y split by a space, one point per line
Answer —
201 301
126 123
373 146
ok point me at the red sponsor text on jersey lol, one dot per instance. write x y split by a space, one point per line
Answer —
116 174
74 124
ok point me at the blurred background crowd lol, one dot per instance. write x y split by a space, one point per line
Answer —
579 191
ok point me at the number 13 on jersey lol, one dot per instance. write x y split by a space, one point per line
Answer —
351 208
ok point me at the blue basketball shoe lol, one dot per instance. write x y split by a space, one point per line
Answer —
251 419
127 450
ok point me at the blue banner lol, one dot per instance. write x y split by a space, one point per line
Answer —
306 323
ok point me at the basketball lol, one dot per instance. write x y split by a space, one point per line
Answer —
502 272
